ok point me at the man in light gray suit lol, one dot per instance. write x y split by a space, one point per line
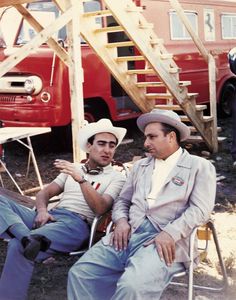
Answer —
166 195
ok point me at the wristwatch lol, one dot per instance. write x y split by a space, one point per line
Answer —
83 180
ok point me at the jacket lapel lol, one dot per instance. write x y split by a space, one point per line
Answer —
148 167
183 162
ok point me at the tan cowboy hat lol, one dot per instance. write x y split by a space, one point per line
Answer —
164 116
103 125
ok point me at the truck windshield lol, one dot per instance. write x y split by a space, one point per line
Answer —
2 41
45 13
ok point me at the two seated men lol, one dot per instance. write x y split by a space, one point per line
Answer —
166 195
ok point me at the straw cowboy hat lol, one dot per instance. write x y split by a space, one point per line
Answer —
164 116
103 125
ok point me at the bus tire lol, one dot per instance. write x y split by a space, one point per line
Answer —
226 99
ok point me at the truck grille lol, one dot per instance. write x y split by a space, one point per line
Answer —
15 99
7 99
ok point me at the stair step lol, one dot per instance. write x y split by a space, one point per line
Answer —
165 56
193 129
140 71
204 119
130 58
146 26
157 42
134 8
109 29
197 139
159 96
166 95
159 84
98 13
150 71
120 44
199 107
173 70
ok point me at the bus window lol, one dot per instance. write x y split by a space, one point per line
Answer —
177 28
228 26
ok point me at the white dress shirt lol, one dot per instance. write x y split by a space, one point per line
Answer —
160 173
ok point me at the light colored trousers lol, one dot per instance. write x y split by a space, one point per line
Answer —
66 234
134 274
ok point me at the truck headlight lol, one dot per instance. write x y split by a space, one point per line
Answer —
29 85
33 85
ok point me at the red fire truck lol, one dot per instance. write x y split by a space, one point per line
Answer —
36 91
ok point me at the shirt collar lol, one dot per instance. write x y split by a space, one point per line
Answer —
172 159
107 169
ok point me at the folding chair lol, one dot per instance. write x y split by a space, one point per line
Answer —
94 235
202 233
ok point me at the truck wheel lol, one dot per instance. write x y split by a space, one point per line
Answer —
227 98
89 116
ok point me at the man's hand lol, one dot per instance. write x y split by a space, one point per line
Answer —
69 168
42 218
120 236
165 246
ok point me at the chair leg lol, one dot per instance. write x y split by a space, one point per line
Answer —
225 282
1 181
94 226
190 270
222 265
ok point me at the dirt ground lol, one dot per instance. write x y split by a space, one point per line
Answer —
49 281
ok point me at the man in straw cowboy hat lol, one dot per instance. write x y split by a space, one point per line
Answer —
88 189
165 196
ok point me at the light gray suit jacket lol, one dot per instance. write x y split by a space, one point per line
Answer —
185 201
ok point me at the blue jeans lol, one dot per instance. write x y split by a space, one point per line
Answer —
67 233
135 273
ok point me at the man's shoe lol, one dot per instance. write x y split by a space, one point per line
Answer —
33 244
31 247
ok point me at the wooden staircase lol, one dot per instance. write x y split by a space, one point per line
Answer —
155 60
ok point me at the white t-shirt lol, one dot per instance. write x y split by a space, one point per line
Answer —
109 182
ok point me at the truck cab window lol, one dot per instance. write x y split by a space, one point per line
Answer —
2 41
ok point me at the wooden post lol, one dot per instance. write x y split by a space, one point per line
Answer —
213 106
76 77
13 2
